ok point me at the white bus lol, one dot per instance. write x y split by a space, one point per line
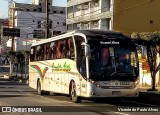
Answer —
85 64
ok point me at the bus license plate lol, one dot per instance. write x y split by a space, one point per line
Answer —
116 93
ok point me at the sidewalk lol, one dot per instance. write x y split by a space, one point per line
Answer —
144 88
21 78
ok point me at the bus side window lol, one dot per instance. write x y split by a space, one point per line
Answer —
58 52
38 53
70 52
45 51
52 50
63 49
35 56
32 54
42 53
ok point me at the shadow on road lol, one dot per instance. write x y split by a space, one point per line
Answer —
10 96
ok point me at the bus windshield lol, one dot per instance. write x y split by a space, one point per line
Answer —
113 63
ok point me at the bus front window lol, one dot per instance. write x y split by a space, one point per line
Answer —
113 63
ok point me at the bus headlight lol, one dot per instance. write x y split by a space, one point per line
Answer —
135 83
91 81
97 84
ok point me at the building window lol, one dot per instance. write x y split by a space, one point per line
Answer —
61 12
96 3
85 6
34 9
54 11
49 3
50 24
56 32
39 24
40 9
64 24
57 22
27 9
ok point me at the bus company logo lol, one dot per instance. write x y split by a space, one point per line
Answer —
59 67
41 72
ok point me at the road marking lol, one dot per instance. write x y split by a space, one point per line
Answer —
139 103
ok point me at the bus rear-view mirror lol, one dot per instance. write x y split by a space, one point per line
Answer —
87 49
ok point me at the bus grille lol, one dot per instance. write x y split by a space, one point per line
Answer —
116 87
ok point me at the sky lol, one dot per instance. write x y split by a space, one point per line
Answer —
4 5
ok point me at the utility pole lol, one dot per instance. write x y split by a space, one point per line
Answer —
12 9
12 46
25 65
47 19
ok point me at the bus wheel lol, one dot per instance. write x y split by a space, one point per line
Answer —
73 93
46 92
39 91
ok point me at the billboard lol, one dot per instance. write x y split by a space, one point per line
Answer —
39 34
14 32
29 42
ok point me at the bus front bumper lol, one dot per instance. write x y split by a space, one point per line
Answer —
99 92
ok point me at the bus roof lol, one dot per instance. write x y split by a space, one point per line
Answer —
87 32
93 32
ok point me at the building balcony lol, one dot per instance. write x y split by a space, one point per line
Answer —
89 17
75 2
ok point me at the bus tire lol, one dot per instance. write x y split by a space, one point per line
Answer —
73 94
39 91
46 93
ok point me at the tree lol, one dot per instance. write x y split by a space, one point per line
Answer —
152 41
26 55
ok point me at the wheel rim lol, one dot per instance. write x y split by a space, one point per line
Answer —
73 91
39 88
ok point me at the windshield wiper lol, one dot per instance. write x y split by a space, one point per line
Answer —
120 74
117 74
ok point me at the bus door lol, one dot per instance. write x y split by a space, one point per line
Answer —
81 63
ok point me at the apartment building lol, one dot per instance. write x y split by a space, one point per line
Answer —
31 20
85 14
136 16
3 39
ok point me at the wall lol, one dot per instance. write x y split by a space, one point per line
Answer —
136 16
28 22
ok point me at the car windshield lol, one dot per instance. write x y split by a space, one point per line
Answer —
113 63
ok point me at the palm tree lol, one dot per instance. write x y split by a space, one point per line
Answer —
26 56
19 59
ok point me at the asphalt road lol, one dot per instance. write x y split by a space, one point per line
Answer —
15 94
